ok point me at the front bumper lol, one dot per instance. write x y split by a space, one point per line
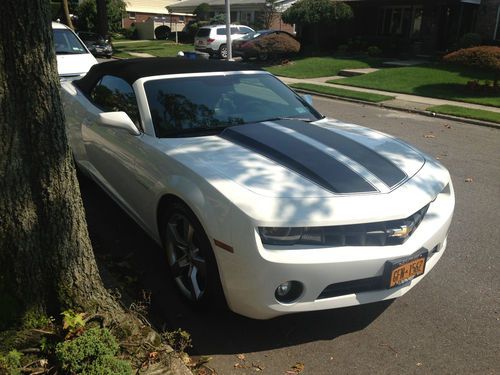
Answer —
251 275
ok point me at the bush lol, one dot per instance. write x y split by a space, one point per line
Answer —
92 352
469 40
374 51
11 362
482 57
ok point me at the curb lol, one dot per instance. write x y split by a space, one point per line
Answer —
408 110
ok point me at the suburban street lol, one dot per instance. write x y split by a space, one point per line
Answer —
448 324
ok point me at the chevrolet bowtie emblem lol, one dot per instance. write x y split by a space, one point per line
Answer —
402 231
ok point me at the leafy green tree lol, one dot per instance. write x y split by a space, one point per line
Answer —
318 14
202 12
87 14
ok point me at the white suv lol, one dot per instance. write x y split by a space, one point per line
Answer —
73 57
212 39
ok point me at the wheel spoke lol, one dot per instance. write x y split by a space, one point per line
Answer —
179 265
173 233
194 288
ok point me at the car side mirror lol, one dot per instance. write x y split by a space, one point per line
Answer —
308 99
118 120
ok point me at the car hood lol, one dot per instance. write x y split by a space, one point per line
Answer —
74 65
291 158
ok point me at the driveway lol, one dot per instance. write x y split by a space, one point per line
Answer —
448 324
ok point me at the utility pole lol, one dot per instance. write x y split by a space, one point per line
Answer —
228 32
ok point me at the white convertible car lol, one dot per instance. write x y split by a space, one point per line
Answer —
254 196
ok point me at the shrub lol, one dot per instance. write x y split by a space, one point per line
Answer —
11 362
469 40
374 51
483 57
91 353
342 49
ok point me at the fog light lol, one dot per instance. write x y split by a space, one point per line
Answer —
288 291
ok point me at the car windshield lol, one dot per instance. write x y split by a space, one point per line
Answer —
66 43
201 105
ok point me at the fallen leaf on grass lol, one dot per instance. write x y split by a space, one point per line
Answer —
469 179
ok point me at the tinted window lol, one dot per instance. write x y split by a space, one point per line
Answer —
114 94
66 42
184 106
245 30
203 33
221 31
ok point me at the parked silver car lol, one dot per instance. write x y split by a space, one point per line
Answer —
212 39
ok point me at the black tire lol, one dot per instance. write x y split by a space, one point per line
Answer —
190 257
223 51
263 56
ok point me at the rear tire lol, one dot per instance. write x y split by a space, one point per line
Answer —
223 51
190 257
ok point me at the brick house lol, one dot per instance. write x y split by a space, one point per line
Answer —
155 12
247 12
424 25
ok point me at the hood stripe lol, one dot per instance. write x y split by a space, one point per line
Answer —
299 156
378 165
354 166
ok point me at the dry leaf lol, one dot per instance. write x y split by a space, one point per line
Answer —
241 357
257 367
469 179
419 364
298 367
429 136
447 126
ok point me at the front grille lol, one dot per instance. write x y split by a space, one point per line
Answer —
394 232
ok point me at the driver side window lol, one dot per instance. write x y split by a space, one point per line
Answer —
114 94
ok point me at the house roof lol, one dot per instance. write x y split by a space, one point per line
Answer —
148 6
190 5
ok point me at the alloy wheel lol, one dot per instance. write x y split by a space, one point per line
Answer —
187 263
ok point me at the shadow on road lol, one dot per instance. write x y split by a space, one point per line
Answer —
137 263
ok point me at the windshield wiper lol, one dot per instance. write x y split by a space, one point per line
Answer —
288 118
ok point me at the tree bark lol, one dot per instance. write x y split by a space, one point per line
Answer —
46 258
66 14
102 18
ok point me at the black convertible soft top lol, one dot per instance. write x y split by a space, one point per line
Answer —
132 69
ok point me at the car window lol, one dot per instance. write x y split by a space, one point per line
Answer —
66 42
203 33
183 106
114 94
221 31
245 30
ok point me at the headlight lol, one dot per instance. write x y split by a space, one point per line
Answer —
280 236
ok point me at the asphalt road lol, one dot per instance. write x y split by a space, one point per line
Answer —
448 324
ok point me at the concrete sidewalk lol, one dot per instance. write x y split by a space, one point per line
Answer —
402 102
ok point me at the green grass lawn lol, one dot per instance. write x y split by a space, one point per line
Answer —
312 67
158 48
477 114
435 81
376 98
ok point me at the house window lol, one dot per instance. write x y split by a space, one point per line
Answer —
496 33
131 15
398 21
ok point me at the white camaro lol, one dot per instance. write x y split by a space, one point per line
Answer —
255 197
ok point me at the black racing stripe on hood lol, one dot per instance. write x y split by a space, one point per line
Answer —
298 156
381 167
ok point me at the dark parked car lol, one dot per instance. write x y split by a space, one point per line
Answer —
97 44
265 44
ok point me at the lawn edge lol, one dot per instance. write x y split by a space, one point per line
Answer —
407 110
386 97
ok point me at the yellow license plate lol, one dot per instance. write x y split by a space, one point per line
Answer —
400 271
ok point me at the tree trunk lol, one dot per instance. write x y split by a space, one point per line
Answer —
102 18
66 14
46 258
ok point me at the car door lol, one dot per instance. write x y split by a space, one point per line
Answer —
110 151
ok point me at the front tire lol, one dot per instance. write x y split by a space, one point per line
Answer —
190 257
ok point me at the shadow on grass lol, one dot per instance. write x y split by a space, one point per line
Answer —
137 263
458 92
